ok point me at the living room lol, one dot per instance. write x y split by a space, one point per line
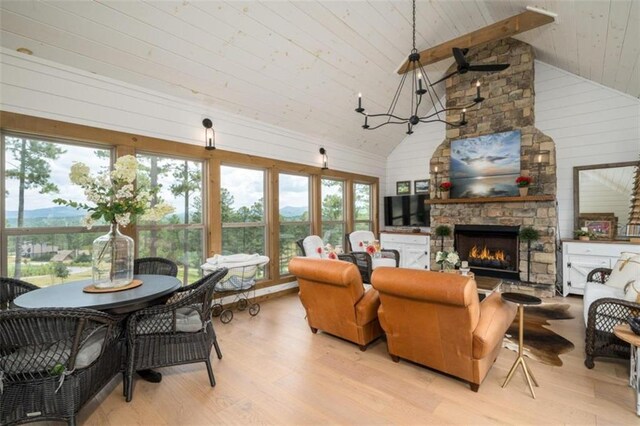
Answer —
241 115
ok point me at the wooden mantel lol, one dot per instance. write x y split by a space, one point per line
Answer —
492 199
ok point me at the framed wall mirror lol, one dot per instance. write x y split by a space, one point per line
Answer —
602 198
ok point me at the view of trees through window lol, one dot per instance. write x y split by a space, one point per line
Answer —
243 211
362 214
180 235
48 244
333 226
45 243
293 210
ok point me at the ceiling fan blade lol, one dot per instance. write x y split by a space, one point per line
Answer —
458 54
445 77
488 67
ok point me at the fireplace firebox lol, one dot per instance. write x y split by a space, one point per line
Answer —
490 250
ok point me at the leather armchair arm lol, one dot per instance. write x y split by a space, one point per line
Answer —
495 318
367 307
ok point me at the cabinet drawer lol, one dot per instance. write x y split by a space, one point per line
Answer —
600 249
404 239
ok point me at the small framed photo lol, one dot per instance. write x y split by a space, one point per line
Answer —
602 229
421 186
403 187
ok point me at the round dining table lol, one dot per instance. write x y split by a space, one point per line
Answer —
155 289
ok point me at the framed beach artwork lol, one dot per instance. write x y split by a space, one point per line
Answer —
486 166
421 186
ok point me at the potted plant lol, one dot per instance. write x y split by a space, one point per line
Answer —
523 183
444 189
583 234
529 234
442 231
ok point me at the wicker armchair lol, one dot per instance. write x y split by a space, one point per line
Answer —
52 361
155 266
364 261
166 335
603 315
342 256
10 289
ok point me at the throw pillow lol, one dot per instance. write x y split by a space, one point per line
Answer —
625 272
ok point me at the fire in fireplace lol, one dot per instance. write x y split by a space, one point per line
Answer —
490 250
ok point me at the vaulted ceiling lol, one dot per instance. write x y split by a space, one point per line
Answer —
301 64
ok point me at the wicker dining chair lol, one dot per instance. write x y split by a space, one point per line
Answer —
155 266
11 288
342 256
179 332
604 314
54 360
364 261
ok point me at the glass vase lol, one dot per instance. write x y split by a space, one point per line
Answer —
112 259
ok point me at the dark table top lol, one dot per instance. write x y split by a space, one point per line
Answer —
522 299
70 295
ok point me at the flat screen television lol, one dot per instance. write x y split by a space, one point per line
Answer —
407 210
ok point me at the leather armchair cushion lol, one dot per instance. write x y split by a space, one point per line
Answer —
367 307
496 316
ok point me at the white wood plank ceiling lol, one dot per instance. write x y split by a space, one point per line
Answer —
301 64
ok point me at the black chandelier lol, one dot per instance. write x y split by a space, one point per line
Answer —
415 69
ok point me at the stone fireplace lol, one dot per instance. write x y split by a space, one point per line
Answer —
509 105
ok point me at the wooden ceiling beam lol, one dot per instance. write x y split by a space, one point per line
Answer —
516 24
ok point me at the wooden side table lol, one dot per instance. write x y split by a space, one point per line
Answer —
623 332
521 300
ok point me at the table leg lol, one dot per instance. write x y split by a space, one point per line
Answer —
634 374
520 361
150 376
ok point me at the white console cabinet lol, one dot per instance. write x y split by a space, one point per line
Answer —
413 248
581 257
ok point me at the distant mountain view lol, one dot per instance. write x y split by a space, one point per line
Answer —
288 211
51 212
64 215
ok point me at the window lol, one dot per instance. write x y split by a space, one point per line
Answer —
293 210
362 212
44 243
242 208
180 235
333 226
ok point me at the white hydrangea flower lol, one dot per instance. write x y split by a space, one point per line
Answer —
453 258
94 197
125 168
88 221
123 219
79 174
158 211
441 256
126 191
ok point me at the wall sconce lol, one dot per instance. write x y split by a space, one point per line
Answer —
325 159
209 135
539 160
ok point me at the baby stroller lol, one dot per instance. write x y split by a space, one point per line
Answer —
239 283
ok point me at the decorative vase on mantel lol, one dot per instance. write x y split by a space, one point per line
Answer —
444 195
112 259
524 190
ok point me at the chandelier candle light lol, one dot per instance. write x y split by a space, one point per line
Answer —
415 69
118 201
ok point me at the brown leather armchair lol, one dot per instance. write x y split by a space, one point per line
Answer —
437 320
334 298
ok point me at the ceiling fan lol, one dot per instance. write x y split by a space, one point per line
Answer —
464 66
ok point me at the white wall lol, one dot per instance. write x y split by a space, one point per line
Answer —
590 124
42 88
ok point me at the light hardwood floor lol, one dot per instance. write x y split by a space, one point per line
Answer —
275 371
